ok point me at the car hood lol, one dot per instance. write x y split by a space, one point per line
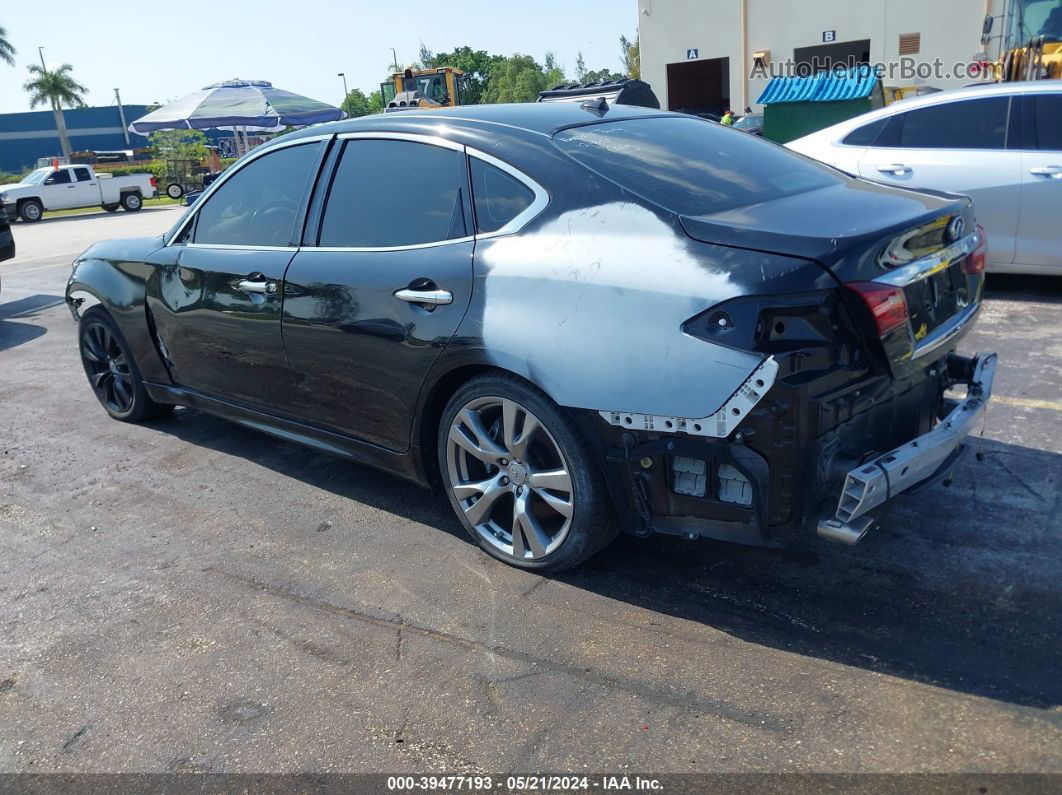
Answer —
130 249
10 185
844 227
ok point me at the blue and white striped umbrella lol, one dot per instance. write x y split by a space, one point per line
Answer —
249 105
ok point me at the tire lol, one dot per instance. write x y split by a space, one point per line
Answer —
545 476
131 202
112 371
174 190
111 208
31 211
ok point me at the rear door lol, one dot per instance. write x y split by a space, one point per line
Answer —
1039 243
963 146
216 305
379 286
86 191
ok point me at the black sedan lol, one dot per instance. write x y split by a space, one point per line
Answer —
574 320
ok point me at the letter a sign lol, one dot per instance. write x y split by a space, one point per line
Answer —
691 55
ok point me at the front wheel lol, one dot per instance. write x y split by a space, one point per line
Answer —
132 202
520 476
112 372
31 211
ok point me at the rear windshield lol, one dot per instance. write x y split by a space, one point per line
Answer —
692 167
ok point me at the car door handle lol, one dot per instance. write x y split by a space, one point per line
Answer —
894 168
1047 171
263 286
432 297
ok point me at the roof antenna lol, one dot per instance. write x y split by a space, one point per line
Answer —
598 106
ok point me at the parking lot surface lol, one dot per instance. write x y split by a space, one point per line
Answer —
189 595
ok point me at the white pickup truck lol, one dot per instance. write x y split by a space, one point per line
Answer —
63 187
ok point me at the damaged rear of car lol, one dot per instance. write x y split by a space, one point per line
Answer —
854 299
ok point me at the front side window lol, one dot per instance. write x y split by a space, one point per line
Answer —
395 193
259 204
82 174
692 167
971 124
499 197
1047 115
61 177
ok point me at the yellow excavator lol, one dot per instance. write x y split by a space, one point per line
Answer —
411 88
1032 41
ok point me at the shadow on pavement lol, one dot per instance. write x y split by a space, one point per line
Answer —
960 588
1018 287
14 334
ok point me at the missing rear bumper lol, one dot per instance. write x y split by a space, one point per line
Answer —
923 459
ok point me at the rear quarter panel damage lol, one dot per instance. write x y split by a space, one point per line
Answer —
590 306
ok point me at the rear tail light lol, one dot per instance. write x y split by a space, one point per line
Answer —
885 302
975 263
154 182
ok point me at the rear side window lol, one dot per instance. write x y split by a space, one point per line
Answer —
1047 114
499 197
259 204
972 124
865 135
690 166
82 174
395 193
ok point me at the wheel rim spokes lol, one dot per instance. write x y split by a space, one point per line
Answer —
108 368
510 478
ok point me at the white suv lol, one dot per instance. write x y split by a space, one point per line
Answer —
1000 144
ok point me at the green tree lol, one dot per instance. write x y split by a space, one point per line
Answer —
632 57
515 79
58 89
7 52
477 66
428 59
177 153
554 71
580 67
358 104
601 74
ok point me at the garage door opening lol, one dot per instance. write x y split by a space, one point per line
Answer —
825 57
699 86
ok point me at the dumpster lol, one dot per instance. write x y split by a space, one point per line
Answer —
798 106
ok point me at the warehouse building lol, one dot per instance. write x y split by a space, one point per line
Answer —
710 55
25 137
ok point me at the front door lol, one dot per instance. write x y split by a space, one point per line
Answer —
216 305
1039 238
372 302
961 147
59 190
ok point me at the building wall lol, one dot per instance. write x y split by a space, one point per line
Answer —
950 30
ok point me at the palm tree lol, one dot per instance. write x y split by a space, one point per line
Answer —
56 88
7 52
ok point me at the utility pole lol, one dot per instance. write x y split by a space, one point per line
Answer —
121 115
345 92
40 52
394 61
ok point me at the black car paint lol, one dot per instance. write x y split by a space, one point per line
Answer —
343 344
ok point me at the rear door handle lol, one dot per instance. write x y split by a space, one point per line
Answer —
894 168
1047 171
432 297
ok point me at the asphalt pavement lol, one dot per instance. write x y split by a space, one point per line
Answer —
189 595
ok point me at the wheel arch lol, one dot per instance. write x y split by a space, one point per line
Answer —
97 282
433 402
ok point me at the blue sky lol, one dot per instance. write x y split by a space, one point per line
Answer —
155 51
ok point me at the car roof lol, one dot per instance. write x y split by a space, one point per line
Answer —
543 118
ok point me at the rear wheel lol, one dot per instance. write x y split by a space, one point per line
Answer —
31 211
112 372
174 190
132 202
520 476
